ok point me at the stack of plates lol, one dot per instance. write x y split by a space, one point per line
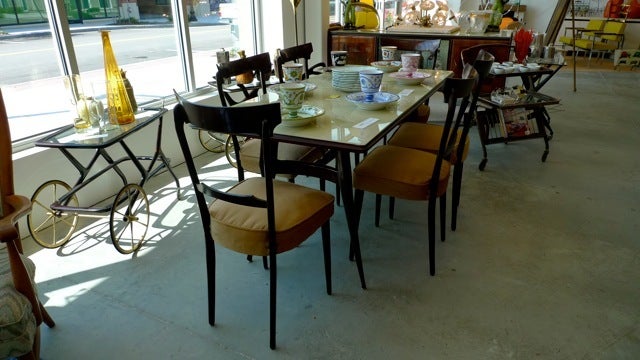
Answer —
347 78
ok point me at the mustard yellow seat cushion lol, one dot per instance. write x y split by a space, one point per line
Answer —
426 137
250 154
299 212
595 45
17 322
399 172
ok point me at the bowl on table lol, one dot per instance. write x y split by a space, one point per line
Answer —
409 77
387 66
380 100
533 66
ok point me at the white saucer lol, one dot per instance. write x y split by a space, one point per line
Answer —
380 100
409 78
308 87
306 115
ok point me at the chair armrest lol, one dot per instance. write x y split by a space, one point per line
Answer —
20 206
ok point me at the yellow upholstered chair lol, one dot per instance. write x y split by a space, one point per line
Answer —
411 174
586 33
427 137
21 313
606 41
259 216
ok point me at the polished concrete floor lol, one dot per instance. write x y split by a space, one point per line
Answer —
545 263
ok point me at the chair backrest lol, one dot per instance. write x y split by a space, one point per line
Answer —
255 121
594 25
6 162
500 52
454 89
482 67
613 31
300 53
259 65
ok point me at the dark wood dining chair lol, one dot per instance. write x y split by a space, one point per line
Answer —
426 137
22 311
248 155
259 216
299 53
410 174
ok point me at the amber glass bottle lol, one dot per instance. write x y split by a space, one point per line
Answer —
118 104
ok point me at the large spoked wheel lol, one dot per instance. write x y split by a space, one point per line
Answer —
129 219
212 141
49 228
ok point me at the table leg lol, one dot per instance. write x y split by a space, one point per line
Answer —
346 188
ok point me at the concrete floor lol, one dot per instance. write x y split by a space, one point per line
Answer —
545 263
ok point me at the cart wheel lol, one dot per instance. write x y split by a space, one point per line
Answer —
129 218
212 141
482 165
50 228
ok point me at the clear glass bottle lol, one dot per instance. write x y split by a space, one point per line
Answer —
118 104
79 106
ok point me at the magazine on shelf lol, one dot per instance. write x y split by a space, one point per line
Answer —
517 122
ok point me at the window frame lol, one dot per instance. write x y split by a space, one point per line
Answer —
68 64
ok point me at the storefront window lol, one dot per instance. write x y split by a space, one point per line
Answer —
144 38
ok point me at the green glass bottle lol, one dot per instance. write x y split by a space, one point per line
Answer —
118 104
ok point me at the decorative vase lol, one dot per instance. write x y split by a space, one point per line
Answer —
118 104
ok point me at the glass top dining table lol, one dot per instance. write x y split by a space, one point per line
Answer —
347 129
344 126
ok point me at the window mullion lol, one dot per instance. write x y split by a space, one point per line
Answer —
183 43
61 35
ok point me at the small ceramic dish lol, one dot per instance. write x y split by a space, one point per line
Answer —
380 100
409 78
387 66
304 117
533 67
498 70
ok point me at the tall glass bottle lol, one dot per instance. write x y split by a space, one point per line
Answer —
118 104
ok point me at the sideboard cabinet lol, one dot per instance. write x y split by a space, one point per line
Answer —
364 46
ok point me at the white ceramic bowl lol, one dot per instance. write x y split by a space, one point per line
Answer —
533 67
498 70
509 69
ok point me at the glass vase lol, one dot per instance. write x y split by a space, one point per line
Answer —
79 107
118 104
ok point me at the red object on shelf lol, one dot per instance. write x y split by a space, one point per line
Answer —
612 9
523 39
